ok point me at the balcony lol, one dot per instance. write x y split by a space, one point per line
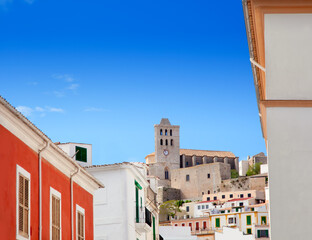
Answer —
143 224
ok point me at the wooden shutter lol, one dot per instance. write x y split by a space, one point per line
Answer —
80 226
217 222
23 206
56 218
263 220
248 220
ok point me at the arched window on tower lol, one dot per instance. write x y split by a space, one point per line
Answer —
170 132
171 142
161 142
208 191
166 141
166 173
166 132
160 131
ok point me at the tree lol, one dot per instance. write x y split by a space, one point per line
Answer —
234 173
254 169
171 207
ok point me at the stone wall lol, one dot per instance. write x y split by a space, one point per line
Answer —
166 193
201 179
243 183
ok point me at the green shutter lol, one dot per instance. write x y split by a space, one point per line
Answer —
137 184
263 220
248 220
154 229
258 234
141 202
217 222
137 204
248 230
267 233
81 154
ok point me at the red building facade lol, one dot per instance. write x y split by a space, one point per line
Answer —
44 193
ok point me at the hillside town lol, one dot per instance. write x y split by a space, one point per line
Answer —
52 190
175 194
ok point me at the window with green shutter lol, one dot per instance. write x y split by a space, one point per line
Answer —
137 205
248 219
217 222
263 220
249 231
81 154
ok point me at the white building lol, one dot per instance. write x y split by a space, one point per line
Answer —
120 209
243 167
232 234
279 36
176 233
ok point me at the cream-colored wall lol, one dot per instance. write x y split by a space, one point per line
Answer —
288 52
236 194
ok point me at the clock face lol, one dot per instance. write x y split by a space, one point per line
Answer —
166 152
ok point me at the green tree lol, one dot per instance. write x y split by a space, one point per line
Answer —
253 169
234 173
171 207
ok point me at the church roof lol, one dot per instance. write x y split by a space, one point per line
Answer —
165 121
201 153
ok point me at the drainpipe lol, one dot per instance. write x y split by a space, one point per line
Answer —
47 144
72 201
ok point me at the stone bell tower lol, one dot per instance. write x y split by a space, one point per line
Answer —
167 150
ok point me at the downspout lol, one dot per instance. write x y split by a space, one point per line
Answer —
47 144
72 201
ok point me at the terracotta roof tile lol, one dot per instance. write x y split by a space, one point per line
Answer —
201 153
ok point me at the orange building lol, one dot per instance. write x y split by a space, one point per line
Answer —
44 193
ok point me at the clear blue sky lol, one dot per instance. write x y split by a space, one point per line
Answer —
104 72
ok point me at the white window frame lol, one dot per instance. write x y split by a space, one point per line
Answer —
57 194
80 209
22 171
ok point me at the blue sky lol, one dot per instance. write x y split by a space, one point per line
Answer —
104 72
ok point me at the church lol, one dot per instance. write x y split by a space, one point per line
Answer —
192 172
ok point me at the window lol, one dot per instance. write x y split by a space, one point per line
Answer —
203 193
208 191
175 225
186 163
248 219
80 219
137 210
242 196
161 142
241 204
231 195
166 142
223 196
249 231
187 177
214 198
198 207
252 209
171 142
207 206
263 220
231 220
203 206
197 225
204 225
170 132
187 208
160 132
217 222
166 174
166 132
249 194
81 154
55 215
208 198
262 233
208 175
22 203
191 226
183 224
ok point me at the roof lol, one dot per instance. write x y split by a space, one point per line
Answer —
165 121
201 153
239 199
109 165
208 201
37 131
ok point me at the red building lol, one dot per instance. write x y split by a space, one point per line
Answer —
44 193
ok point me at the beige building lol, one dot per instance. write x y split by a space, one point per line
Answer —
193 172
259 196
